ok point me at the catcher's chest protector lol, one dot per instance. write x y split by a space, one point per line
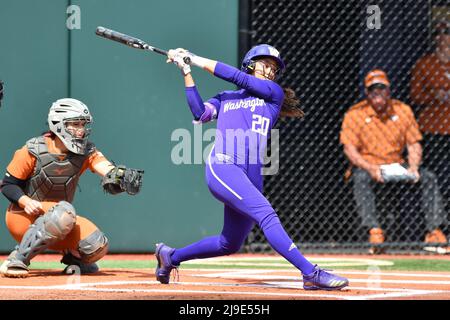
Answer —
53 179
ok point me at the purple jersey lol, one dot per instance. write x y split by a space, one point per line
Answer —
244 117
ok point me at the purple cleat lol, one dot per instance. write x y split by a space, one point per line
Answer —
165 265
322 280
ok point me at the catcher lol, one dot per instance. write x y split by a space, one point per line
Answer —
40 182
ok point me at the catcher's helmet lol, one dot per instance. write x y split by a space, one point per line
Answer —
67 110
261 51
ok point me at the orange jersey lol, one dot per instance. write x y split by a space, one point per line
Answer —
380 141
430 75
23 164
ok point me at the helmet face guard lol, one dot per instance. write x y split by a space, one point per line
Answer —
259 52
63 112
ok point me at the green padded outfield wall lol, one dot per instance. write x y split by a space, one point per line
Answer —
137 101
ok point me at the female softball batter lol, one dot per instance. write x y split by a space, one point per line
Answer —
233 169
40 183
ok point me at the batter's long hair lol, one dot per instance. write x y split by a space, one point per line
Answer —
291 105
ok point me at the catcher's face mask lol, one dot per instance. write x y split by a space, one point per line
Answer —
79 130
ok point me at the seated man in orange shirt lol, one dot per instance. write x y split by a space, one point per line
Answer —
40 183
375 133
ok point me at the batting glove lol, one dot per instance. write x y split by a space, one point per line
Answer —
179 62
194 60
177 57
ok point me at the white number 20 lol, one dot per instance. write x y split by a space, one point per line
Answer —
260 124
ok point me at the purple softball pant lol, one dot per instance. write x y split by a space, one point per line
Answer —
245 205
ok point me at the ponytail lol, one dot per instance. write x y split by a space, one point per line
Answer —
291 105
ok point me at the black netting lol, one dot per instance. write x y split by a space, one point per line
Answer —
328 48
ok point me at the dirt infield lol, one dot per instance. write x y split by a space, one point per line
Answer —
218 284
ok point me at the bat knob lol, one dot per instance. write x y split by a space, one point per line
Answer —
187 60
100 30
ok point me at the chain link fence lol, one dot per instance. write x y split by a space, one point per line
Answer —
329 47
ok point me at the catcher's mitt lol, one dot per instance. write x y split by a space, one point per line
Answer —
120 179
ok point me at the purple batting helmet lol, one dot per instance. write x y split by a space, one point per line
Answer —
260 51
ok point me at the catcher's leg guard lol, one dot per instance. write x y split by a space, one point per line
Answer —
94 247
90 250
49 228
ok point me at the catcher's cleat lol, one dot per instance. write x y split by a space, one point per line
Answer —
14 268
73 263
322 280
165 265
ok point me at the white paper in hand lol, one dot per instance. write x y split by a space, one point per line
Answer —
396 172
393 169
